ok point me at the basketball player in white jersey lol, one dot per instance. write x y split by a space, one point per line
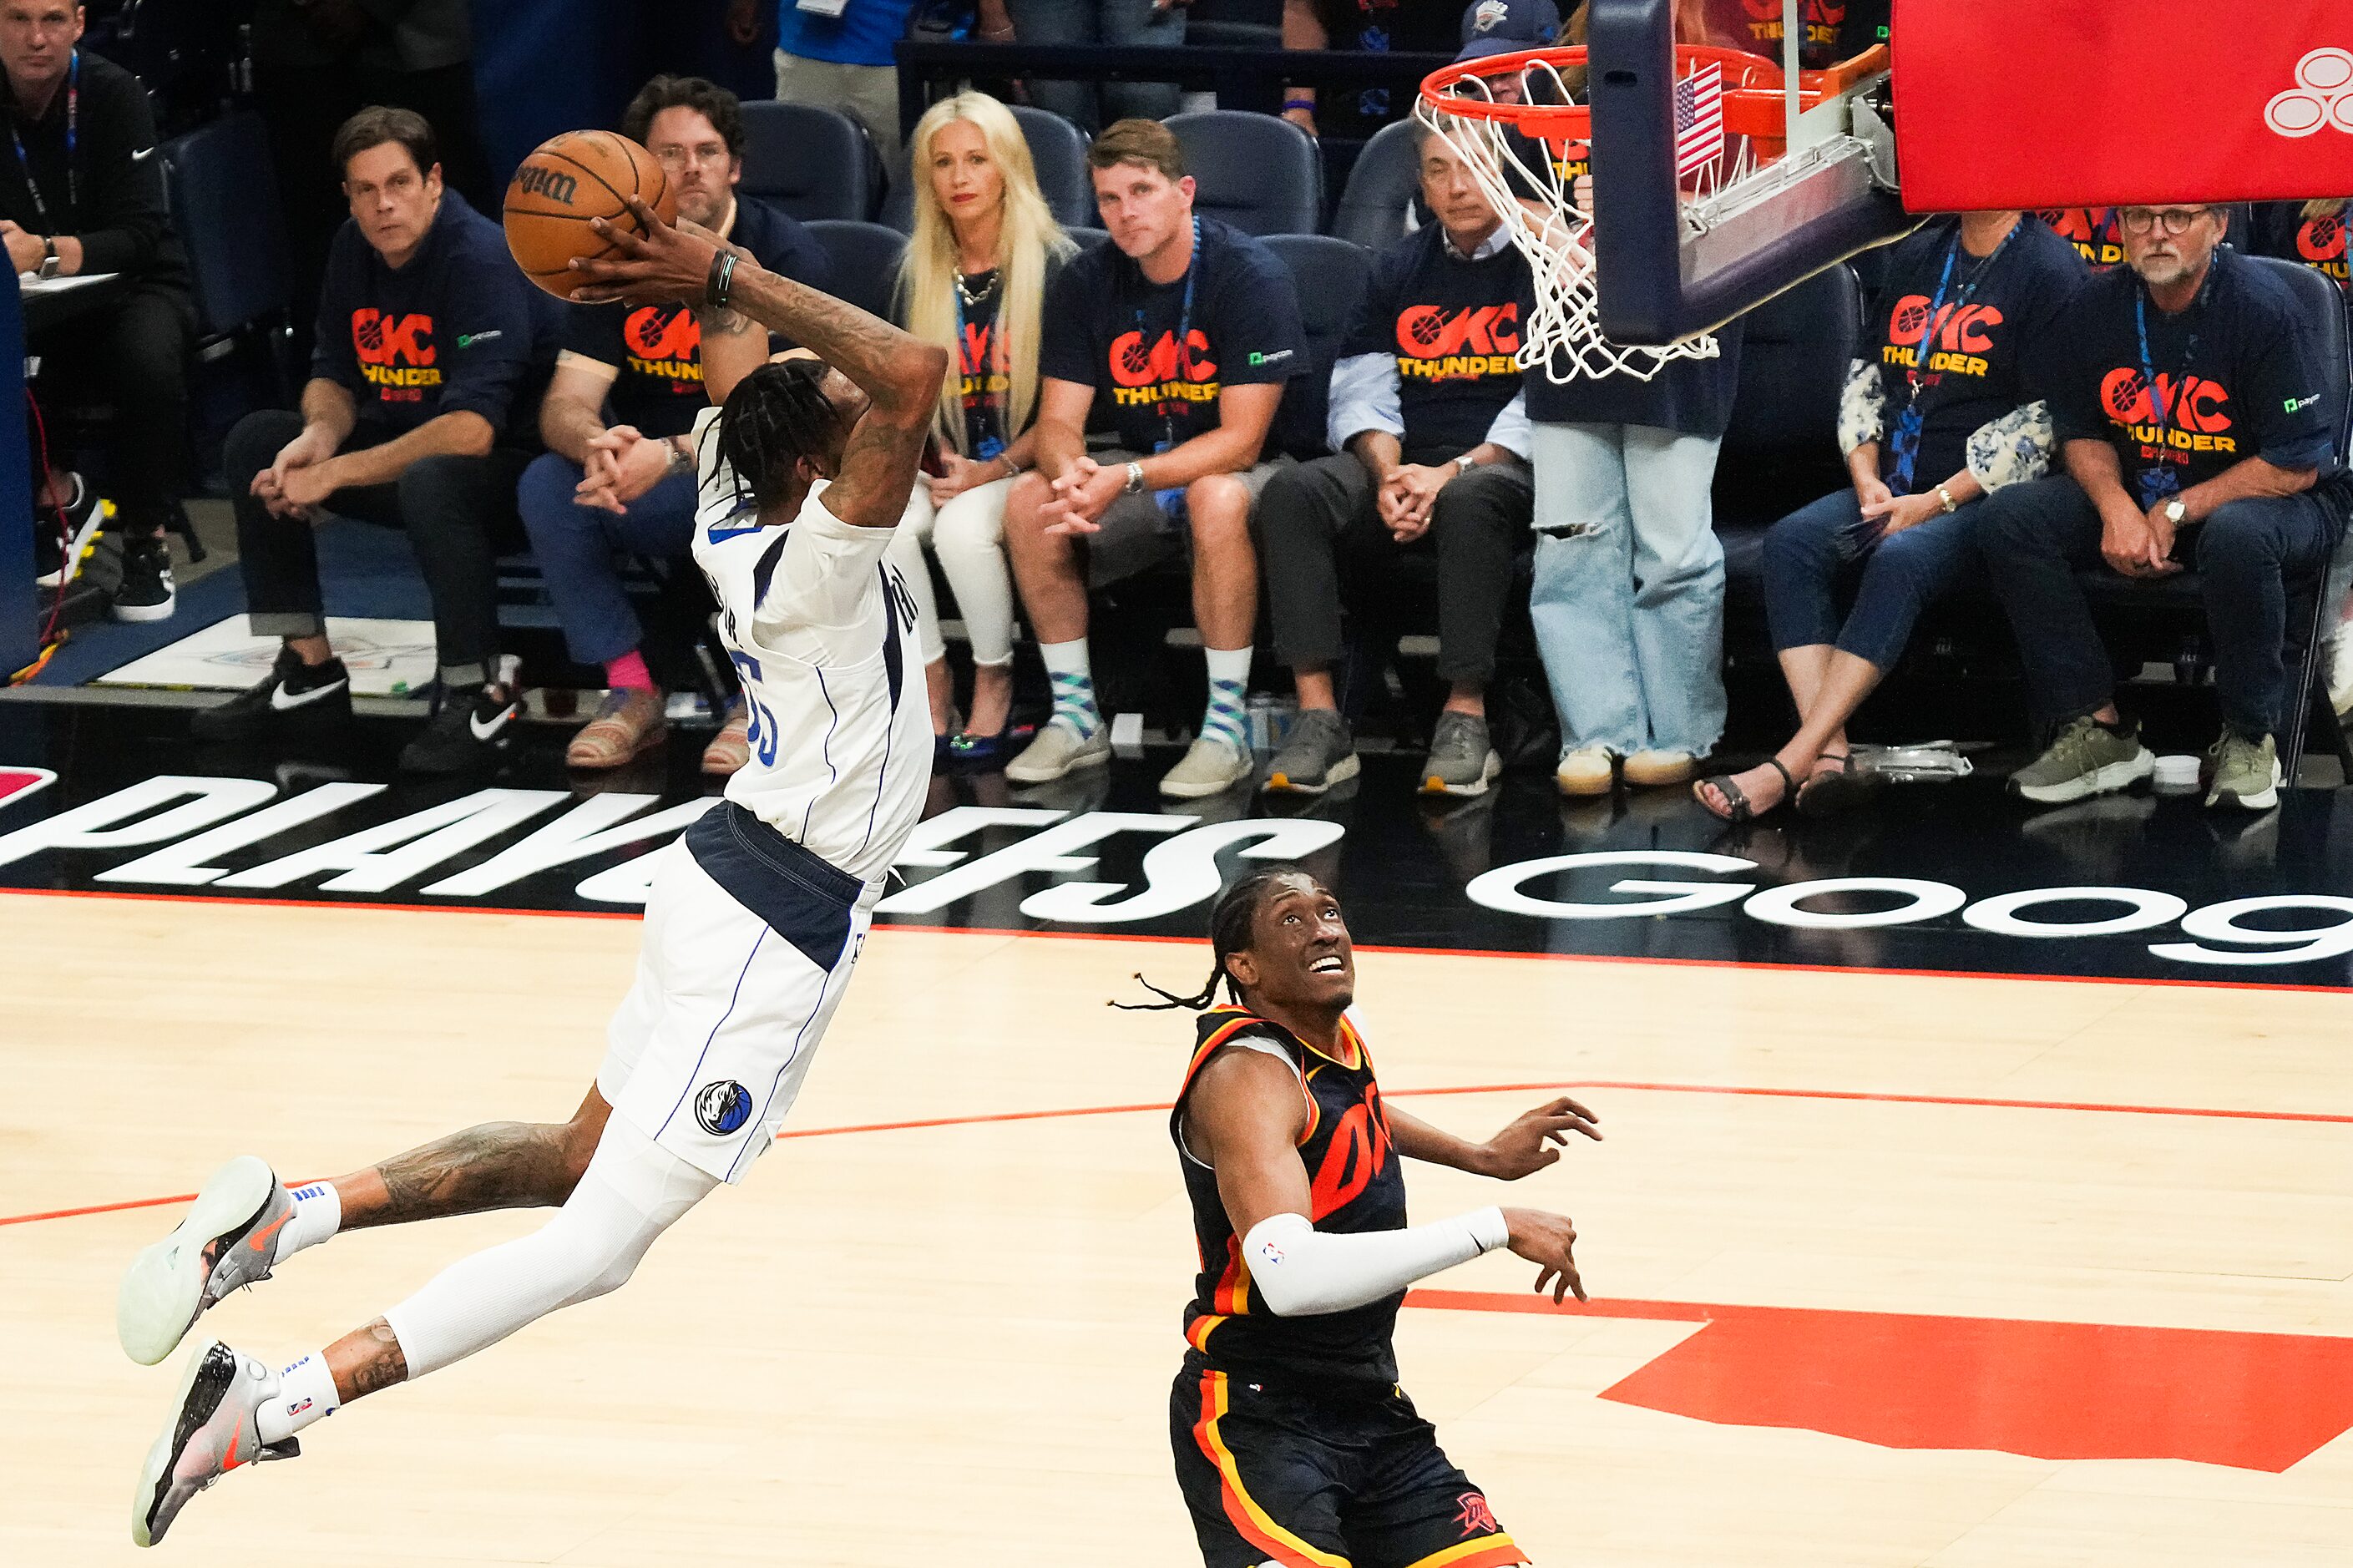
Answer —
755 919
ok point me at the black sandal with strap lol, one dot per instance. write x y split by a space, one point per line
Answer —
1742 811
1836 793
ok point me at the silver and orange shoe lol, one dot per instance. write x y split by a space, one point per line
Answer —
228 1239
211 1432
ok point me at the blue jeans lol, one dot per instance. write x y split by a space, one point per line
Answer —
1807 552
576 545
2251 555
1629 595
1130 24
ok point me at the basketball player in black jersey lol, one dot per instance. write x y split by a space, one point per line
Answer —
1295 1443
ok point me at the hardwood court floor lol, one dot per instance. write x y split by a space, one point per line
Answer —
952 1344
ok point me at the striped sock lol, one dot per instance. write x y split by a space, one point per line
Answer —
1074 687
1229 692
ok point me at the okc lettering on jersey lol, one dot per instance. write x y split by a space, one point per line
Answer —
396 353
2196 412
1821 19
1463 345
2091 230
1142 376
1955 338
2321 243
664 342
982 379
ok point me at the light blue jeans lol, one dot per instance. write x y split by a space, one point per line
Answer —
1629 596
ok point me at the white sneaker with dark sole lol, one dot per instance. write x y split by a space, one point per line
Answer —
211 1431
228 1239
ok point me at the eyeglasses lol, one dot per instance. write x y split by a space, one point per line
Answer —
671 155
2177 220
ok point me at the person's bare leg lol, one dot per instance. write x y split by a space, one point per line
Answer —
497 1165
366 1360
1467 697
311 649
941 688
1045 565
1314 686
1844 682
1225 563
992 698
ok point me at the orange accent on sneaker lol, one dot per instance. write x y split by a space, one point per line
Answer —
229 1461
260 1238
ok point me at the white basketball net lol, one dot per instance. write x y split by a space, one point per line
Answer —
1563 336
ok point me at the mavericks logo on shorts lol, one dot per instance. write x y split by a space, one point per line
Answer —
723 1107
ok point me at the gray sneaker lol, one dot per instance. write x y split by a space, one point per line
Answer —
1461 760
211 1432
2246 773
228 1239
1210 765
2088 758
1319 754
1057 751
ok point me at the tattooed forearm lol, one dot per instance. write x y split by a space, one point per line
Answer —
498 1165
897 371
725 323
365 1361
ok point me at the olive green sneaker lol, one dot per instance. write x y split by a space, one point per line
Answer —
2087 759
2246 773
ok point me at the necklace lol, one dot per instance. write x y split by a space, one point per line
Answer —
973 294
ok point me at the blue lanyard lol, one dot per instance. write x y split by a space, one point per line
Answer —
990 446
1908 424
1184 329
2161 479
73 127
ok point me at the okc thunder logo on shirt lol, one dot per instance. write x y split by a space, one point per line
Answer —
984 380
664 342
2195 408
2320 243
1144 376
2091 230
723 1107
1956 341
1438 344
397 354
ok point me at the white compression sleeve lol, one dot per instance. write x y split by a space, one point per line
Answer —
1300 1271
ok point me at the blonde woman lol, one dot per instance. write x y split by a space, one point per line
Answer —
974 280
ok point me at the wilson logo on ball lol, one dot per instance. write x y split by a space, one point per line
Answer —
539 180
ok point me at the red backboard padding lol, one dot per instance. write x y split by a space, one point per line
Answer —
2050 103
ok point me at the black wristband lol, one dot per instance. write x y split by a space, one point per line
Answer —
722 279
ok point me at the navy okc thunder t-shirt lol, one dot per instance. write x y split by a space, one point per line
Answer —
2238 375
1109 327
1452 326
1970 358
2281 229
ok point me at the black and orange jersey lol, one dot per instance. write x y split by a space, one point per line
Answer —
1357 1184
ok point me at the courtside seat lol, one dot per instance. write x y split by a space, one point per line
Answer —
1331 275
1058 150
2171 610
1256 171
865 257
812 162
1382 191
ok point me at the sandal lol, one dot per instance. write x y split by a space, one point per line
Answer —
1741 811
1833 794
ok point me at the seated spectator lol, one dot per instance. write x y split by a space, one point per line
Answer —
1433 437
837 59
1943 413
2091 230
1183 331
984 253
1381 26
2310 234
2189 400
424 336
601 488
1123 24
84 195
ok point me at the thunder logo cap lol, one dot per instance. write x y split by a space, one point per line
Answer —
1507 27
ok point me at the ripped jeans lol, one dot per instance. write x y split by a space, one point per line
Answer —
1629 595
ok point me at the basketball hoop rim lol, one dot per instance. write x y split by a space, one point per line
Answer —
1753 88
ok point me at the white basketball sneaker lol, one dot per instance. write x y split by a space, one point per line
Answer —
228 1239
211 1432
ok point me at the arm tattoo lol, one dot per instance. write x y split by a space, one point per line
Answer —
726 323
500 1164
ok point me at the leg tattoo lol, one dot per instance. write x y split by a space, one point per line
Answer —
498 1165
366 1360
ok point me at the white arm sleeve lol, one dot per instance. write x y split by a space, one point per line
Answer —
1300 1271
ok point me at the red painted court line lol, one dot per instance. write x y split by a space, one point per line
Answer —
1067 1112
1645 959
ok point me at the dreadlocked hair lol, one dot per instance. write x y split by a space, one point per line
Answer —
775 417
1230 922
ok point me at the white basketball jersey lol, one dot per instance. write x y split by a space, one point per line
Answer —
821 630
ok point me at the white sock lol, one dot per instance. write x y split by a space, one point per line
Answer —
318 1215
1227 714
1074 686
306 1393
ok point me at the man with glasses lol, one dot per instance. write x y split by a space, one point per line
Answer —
2188 392
626 483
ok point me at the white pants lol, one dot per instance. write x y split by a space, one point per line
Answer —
968 534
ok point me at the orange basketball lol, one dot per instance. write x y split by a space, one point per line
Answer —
568 180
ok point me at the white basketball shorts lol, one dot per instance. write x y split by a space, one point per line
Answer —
749 942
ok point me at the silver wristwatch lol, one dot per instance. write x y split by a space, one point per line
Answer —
1134 486
50 260
2175 511
681 461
